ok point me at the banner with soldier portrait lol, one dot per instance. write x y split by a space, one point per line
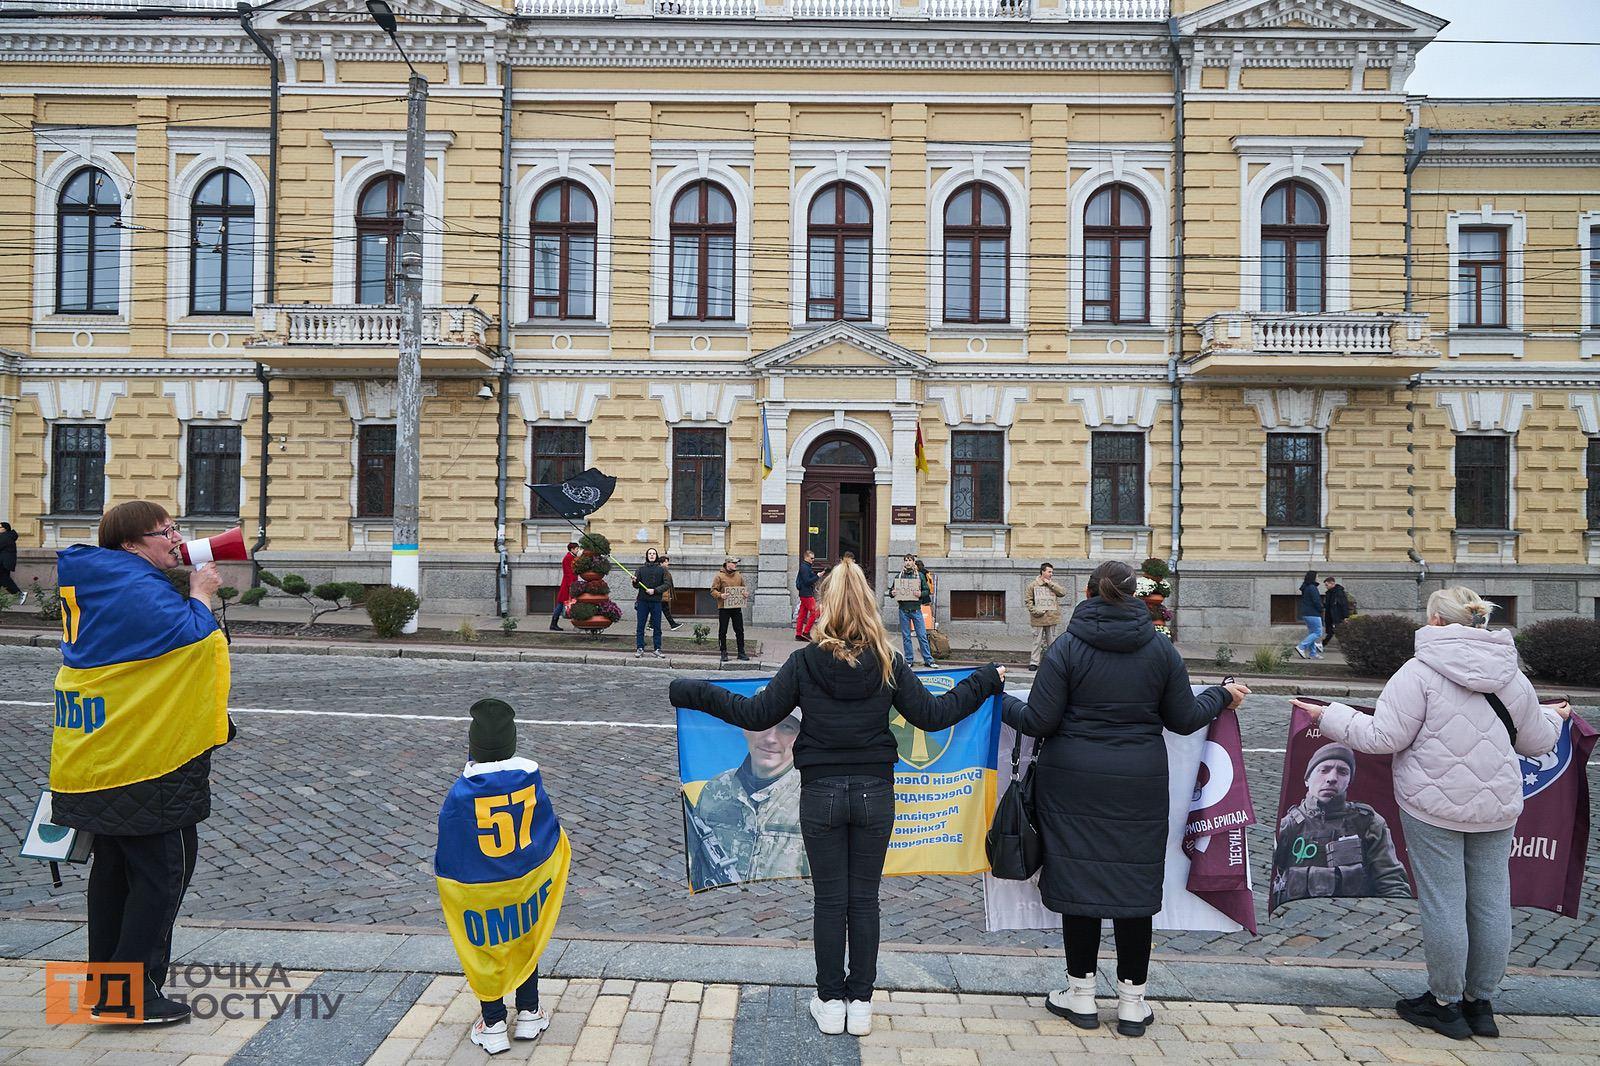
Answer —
1339 829
741 793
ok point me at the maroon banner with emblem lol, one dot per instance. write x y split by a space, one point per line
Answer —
1549 843
1213 837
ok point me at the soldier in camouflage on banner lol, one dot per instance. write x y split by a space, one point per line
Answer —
1330 846
745 825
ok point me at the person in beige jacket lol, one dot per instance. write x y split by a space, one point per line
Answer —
726 579
1043 601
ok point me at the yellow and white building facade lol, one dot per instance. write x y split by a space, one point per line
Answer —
1199 281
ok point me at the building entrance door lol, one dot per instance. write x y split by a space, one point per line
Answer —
836 502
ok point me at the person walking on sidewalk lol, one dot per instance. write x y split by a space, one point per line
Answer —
153 663
1310 609
8 562
846 681
524 850
666 595
908 590
805 583
564 590
728 589
1455 717
1335 607
1043 601
1104 692
649 579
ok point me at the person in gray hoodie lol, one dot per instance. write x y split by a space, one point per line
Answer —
1455 717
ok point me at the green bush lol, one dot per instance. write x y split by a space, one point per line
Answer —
591 564
1376 645
390 607
7 601
251 597
1564 650
1156 568
47 603
582 612
1224 656
594 544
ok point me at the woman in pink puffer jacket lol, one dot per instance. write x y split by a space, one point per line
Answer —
1459 787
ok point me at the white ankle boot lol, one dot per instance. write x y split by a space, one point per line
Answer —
1133 1013
1076 1002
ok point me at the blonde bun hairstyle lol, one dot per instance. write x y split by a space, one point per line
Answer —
1460 606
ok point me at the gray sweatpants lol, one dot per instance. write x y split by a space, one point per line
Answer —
1464 895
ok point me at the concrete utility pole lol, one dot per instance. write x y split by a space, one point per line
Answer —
405 551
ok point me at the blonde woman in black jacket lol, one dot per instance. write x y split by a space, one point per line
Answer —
847 682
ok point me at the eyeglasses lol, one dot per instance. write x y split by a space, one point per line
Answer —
166 532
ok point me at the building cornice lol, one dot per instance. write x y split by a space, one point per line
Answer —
89 366
1513 148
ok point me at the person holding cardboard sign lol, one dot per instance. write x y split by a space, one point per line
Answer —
729 590
908 590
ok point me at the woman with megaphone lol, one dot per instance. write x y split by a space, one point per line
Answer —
141 701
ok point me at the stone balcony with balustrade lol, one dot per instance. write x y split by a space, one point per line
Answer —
1353 344
367 336
940 10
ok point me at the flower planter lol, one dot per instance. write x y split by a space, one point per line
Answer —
599 621
592 575
1155 599
593 597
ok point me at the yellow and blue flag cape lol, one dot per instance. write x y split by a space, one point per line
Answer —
502 865
143 686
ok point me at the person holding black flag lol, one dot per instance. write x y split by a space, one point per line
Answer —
651 580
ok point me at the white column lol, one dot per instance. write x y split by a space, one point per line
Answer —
903 487
6 407
773 605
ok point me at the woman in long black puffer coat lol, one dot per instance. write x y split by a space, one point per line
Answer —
1105 690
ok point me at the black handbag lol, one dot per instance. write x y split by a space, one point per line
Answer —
1012 843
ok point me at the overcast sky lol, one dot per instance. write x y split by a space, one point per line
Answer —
1506 69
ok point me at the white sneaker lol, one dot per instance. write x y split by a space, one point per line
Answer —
1298 650
1133 1013
530 1023
492 1038
858 1017
829 1015
1076 1002
638 653
23 599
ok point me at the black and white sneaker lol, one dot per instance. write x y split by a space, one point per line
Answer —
675 626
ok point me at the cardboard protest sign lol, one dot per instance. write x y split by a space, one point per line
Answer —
741 794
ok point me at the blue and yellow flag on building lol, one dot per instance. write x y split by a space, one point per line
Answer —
502 865
766 445
143 686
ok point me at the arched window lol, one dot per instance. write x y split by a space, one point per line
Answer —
378 226
222 246
1294 248
88 244
702 269
977 243
562 238
839 255
1116 257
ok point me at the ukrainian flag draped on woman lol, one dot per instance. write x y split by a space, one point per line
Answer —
502 868
140 692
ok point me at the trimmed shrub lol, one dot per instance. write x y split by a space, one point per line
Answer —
47 603
580 587
1376 645
1156 568
592 564
582 612
1564 650
390 607
594 544
251 597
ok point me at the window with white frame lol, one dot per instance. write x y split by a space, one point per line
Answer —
212 471
1483 481
1485 278
556 453
378 227
375 447
222 252
1294 248
977 255
563 235
1294 480
1591 470
839 255
977 476
699 474
77 468
701 267
1116 257
1116 478
1481 277
88 244
1592 256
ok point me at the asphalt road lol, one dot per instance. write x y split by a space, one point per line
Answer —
325 807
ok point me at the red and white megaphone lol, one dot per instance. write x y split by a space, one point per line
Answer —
223 548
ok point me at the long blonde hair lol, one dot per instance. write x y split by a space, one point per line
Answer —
1460 606
849 623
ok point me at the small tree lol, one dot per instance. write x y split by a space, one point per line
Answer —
390 607
326 598
48 603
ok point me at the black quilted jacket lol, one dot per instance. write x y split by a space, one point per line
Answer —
171 801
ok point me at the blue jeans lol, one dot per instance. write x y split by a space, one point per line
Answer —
494 1010
647 610
1313 624
907 622
846 822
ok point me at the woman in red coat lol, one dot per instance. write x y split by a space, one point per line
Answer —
564 590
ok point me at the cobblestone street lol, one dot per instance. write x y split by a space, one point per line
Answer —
329 818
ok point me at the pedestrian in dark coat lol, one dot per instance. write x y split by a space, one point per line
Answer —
8 558
1310 610
1335 607
1104 692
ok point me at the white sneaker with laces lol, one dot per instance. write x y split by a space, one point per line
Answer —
659 654
638 653
858 1017
23 599
829 1015
1076 1002
530 1023
492 1038
1298 650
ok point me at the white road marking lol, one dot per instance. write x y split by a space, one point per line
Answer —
408 717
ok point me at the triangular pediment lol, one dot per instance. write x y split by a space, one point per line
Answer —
841 346
1383 17
417 13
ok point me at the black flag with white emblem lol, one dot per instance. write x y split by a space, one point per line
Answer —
579 496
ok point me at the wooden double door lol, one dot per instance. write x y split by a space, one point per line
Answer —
837 502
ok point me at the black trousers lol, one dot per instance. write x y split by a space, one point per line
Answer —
846 822
494 1010
1081 936
135 887
7 583
734 615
